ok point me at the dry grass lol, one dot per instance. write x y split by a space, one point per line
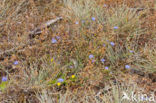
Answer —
121 32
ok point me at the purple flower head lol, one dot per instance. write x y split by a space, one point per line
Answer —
102 60
91 56
93 18
127 66
4 79
116 27
76 22
16 62
83 21
144 98
53 40
105 5
60 80
93 61
104 45
106 68
107 40
112 43
131 51
70 66
57 37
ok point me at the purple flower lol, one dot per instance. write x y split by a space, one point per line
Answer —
107 40
102 60
76 22
104 45
106 68
57 37
16 62
127 66
60 80
70 66
116 27
131 51
144 98
91 56
112 43
4 79
53 40
93 61
82 21
105 5
93 18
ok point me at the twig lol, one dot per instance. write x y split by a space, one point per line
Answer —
141 9
39 29
33 33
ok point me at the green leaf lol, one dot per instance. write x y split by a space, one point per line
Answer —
3 86
52 82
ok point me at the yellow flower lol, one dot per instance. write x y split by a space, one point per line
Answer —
52 59
73 76
58 84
